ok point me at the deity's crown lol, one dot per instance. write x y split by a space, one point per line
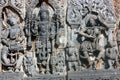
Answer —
43 7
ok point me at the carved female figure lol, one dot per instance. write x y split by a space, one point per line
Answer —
12 40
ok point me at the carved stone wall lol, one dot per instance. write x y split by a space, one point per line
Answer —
59 40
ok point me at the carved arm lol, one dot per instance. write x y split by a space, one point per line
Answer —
4 37
84 34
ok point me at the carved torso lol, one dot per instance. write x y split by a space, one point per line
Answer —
14 33
44 31
71 55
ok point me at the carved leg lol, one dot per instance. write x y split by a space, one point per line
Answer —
91 65
110 64
73 68
76 66
47 65
87 56
69 66
4 55
101 54
19 62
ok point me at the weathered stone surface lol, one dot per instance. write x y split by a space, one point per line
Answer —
46 77
59 39
95 75
11 76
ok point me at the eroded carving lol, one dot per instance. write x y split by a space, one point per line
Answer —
48 38
12 40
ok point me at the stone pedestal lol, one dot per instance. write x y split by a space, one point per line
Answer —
11 76
95 75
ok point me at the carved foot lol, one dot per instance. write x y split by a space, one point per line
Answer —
17 70
47 72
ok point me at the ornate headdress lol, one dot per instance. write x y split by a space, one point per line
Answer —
44 8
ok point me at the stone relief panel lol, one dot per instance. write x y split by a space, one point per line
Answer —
44 24
59 39
95 32
12 40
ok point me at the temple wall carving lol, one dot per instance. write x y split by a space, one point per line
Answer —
59 39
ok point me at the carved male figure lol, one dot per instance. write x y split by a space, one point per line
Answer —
72 57
45 31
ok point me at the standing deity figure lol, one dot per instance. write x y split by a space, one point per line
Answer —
12 40
45 34
72 57
30 64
